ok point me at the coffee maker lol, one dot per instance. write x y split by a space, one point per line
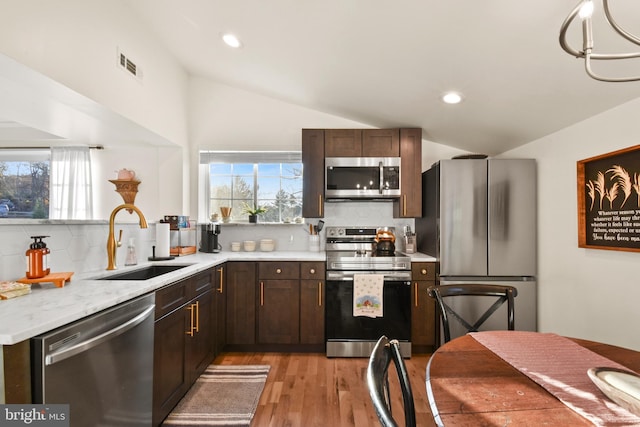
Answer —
209 238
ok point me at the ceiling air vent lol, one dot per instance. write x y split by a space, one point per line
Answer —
126 64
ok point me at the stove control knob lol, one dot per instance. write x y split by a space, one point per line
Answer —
341 231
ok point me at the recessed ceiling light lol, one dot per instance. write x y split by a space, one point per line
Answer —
231 40
452 98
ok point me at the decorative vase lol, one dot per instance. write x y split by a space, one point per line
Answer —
253 219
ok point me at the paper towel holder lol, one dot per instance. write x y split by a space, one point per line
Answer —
154 258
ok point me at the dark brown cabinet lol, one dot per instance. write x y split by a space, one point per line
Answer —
220 310
361 142
380 143
423 308
275 305
241 303
279 303
409 205
343 142
313 176
183 339
312 282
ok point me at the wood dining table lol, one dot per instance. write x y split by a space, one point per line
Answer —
469 385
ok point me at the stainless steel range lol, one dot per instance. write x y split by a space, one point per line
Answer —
366 253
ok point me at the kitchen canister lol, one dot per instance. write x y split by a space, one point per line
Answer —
235 246
314 242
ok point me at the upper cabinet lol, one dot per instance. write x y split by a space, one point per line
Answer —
409 205
406 143
362 143
313 149
380 143
343 142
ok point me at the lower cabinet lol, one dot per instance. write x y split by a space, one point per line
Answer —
183 341
241 303
279 303
275 305
312 302
220 309
423 308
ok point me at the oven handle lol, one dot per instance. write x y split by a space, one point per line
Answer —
381 177
388 277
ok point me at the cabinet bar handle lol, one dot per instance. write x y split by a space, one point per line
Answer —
415 294
221 270
320 204
190 331
404 205
319 294
197 316
261 294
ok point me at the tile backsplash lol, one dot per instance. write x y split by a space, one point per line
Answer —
80 247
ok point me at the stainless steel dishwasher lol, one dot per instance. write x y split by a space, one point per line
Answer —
102 366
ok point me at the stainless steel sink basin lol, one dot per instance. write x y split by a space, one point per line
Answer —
144 273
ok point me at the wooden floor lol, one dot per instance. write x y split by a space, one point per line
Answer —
309 389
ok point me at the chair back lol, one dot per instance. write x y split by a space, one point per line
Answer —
384 352
503 294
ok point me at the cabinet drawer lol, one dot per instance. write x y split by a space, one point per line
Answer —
312 270
173 296
203 282
423 270
278 270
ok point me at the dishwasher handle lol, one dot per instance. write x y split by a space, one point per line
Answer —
59 356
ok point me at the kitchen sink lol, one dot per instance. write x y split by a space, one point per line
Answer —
144 273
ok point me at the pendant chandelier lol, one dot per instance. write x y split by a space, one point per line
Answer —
584 10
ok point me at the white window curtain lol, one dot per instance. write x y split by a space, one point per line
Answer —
70 181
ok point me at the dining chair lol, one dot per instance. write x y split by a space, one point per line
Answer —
384 352
503 293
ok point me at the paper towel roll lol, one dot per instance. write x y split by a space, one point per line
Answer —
162 240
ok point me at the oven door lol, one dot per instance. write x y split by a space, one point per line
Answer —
354 336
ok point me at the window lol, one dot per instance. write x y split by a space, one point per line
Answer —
24 183
272 180
43 183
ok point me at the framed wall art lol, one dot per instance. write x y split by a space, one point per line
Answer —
609 201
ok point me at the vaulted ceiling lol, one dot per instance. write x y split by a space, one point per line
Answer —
387 63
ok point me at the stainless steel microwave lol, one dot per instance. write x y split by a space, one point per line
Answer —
362 177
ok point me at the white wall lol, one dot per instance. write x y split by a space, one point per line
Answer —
159 170
75 42
226 118
584 293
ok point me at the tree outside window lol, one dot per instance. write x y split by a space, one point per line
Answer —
274 185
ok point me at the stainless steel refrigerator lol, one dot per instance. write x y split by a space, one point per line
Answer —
479 221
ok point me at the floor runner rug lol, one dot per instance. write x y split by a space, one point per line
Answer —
224 395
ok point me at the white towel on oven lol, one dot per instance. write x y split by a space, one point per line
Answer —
368 295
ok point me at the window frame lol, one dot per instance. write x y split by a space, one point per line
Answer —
256 158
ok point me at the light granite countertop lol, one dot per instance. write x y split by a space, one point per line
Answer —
48 307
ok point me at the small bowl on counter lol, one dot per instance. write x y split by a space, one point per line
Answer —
249 245
235 246
267 245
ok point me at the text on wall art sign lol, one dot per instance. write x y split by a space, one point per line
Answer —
609 201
